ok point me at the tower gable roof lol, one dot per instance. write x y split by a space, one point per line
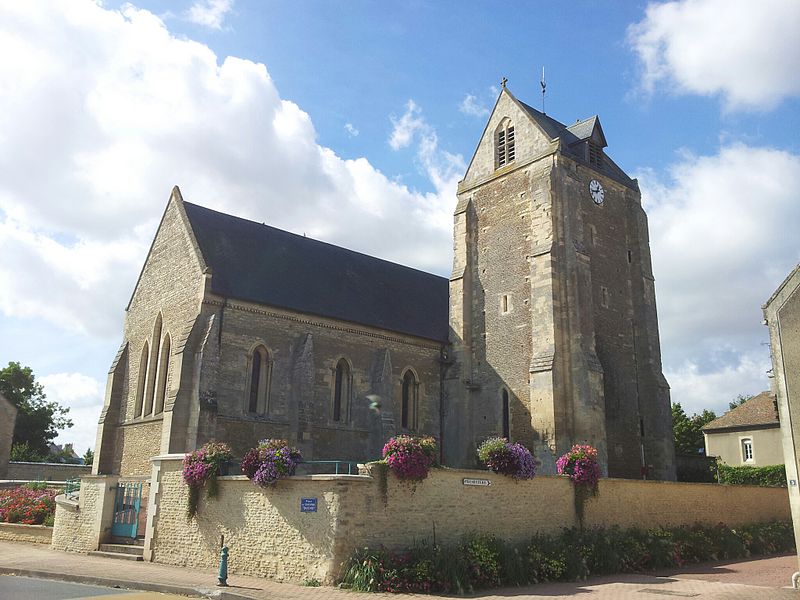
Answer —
258 263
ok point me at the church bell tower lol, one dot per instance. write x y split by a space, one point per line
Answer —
553 322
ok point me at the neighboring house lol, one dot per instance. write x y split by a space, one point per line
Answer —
8 418
238 331
749 434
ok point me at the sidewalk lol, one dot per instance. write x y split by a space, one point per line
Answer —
744 580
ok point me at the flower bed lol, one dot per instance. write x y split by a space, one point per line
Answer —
482 562
410 457
27 506
505 458
269 461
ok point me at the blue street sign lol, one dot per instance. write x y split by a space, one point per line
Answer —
308 505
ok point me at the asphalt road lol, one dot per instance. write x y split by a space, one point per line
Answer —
13 587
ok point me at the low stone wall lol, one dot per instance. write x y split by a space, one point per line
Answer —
33 471
34 534
270 536
82 525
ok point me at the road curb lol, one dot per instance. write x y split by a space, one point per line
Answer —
207 592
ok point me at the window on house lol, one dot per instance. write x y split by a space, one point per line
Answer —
163 374
504 146
259 381
137 409
747 450
595 155
341 390
506 416
408 402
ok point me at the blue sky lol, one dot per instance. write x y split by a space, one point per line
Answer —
353 121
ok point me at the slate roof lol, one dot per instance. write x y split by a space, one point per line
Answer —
759 411
258 263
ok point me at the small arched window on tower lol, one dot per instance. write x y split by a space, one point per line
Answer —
258 383
408 401
163 376
505 151
506 408
342 381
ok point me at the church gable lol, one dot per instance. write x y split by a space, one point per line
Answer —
511 137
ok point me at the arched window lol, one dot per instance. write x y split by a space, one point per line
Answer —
341 391
163 374
258 384
506 415
505 151
152 367
408 402
137 409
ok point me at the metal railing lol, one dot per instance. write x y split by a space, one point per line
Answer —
72 487
339 467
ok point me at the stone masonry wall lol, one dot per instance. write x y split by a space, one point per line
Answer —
8 418
73 530
269 536
136 444
31 534
31 471
303 353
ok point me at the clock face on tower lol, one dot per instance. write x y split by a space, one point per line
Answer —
596 191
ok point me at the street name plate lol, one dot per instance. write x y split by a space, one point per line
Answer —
479 482
308 505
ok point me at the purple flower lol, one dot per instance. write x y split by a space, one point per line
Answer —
270 461
580 465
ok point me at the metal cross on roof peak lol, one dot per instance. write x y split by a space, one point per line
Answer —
503 82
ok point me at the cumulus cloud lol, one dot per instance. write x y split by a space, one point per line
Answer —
745 51
84 397
723 237
110 110
470 105
209 13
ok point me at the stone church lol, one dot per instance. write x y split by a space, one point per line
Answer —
546 331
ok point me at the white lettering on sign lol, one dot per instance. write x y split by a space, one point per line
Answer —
483 482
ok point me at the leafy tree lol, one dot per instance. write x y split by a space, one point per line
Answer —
687 430
38 421
740 399
88 458
24 453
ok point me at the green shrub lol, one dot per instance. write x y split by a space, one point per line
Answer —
482 561
769 476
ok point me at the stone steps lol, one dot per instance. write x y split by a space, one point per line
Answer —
120 555
122 548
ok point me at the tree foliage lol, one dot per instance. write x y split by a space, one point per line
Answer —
687 430
740 399
38 421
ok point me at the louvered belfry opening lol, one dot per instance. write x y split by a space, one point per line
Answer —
505 145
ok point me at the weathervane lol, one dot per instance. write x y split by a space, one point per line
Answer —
544 85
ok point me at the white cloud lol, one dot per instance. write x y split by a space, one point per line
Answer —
697 389
209 13
407 126
351 130
84 179
470 105
745 51
723 236
84 397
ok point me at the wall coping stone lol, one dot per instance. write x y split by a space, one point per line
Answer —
49 464
317 477
68 503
